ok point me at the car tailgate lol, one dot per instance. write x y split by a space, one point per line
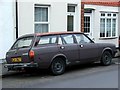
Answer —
18 56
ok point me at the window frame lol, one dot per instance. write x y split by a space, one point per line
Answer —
32 40
39 38
64 41
88 15
70 13
42 22
111 18
84 36
71 6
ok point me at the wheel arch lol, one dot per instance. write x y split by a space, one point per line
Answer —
107 49
64 58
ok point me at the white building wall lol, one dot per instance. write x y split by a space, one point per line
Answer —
96 23
119 21
57 15
58 19
25 18
6 26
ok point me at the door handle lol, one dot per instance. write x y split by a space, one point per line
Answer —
62 47
81 46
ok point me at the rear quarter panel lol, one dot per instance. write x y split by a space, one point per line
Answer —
44 54
103 47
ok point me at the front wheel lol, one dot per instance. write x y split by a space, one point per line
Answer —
106 58
57 66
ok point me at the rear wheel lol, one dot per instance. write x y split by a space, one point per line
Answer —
57 66
106 58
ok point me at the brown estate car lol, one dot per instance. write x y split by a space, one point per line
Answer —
56 51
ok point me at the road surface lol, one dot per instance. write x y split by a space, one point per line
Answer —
81 76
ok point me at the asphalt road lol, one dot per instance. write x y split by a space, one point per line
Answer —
82 76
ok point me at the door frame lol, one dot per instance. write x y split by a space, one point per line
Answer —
89 15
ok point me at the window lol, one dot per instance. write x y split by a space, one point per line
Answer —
47 40
41 19
71 8
68 39
70 23
60 41
108 24
23 43
87 24
82 39
102 14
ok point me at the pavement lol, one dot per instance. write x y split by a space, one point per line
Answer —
2 61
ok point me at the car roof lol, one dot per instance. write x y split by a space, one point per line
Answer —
49 33
57 33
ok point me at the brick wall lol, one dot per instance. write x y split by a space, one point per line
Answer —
102 3
96 2
82 17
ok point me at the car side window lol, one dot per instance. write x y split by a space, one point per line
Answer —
60 40
47 40
81 38
68 39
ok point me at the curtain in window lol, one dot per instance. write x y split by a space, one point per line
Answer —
102 27
113 27
41 14
108 24
41 19
41 28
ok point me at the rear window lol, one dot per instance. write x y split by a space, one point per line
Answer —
47 40
23 43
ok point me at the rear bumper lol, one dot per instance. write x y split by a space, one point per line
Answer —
20 66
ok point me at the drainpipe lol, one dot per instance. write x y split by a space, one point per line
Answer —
16 8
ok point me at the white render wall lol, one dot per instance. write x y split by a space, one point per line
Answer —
57 15
96 23
58 19
6 26
119 21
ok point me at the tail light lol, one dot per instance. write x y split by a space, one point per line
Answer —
31 54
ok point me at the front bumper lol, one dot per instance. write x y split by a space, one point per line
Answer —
18 66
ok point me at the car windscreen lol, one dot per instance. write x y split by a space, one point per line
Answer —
23 43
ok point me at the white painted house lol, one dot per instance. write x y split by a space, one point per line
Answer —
47 16
7 28
119 19
21 17
101 20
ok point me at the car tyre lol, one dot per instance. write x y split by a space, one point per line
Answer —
57 66
106 58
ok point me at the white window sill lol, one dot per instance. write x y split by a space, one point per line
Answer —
104 38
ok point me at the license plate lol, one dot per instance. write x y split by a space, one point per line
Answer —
16 59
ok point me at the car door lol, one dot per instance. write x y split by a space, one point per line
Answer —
88 50
68 47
